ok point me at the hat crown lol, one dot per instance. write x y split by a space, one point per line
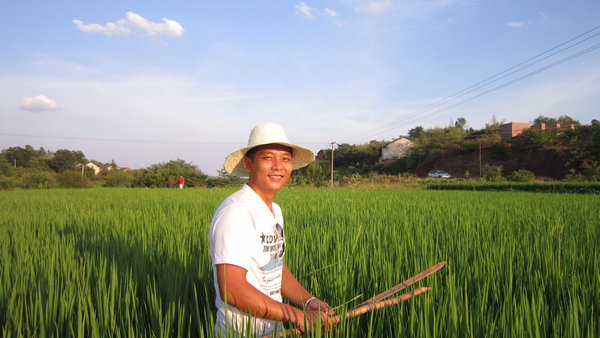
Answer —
267 133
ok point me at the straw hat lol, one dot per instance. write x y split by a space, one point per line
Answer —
267 133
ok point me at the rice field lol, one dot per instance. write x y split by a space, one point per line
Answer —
136 262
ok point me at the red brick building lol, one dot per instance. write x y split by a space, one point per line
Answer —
510 130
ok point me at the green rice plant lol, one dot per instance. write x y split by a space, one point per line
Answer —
136 262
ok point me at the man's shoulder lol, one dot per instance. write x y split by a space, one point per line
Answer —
240 197
239 200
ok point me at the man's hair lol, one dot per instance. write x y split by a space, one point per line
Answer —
250 153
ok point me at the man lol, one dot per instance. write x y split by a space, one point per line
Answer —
181 182
247 243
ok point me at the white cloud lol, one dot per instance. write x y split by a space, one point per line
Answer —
167 27
132 23
311 13
39 103
305 10
331 12
514 24
543 15
373 6
111 28
334 16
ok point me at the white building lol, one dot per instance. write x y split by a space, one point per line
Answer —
395 150
94 167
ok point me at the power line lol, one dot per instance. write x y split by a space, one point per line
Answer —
481 84
535 72
409 117
114 139
103 139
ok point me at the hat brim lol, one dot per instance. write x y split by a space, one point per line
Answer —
234 162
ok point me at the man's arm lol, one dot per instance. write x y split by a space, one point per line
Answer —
297 294
234 287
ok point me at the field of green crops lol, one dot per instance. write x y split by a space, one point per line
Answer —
135 262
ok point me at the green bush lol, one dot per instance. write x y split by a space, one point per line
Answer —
547 187
118 178
591 170
521 175
72 179
316 173
492 173
38 180
7 183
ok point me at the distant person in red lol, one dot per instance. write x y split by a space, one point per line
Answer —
181 182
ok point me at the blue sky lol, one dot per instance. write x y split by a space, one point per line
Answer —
143 82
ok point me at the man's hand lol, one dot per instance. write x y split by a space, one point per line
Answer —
317 311
320 305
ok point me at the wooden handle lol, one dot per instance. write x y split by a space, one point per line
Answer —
378 305
403 285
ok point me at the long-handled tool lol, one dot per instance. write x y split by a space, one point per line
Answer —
403 285
359 310
379 300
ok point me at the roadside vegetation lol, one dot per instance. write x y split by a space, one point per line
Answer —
469 154
466 153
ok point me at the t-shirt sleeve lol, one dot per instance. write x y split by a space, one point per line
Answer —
230 236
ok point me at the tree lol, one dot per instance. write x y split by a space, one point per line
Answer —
66 160
19 156
27 157
534 138
494 125
567 120
543 119
461 122
582 144
5 166
563 120
358 156
416 132
166 174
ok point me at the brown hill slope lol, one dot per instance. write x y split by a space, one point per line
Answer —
544 163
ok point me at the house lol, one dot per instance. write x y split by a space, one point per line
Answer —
395 150
320 155
558 126
512 129
92 166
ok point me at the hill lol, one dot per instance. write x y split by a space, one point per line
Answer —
544 163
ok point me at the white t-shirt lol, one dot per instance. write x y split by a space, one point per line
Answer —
244 232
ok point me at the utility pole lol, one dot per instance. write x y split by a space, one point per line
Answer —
480 157
331 183
15 162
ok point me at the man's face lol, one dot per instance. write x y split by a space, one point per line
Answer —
270 167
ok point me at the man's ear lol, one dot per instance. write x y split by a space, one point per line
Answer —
247 163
